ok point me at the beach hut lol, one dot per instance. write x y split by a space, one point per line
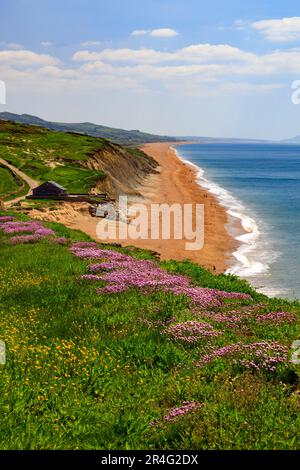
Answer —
50 188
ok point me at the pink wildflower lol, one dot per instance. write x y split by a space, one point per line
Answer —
177 412
260 355
118 269
6 218
277 317
191 331
187 407
25 239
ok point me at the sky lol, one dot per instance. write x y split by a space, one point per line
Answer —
219 68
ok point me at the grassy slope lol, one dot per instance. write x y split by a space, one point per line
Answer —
8 183
83 373
11 186
33 149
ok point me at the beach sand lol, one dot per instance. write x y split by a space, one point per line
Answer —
175 182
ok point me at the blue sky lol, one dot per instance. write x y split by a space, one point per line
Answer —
181 67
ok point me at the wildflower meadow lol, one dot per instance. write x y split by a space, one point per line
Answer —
108 348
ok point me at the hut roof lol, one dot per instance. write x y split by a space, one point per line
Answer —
52 183
57 185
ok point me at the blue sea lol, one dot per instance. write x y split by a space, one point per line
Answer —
259 185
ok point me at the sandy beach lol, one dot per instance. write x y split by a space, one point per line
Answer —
175 182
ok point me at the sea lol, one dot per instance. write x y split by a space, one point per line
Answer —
259 185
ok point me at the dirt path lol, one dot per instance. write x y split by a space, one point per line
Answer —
31 182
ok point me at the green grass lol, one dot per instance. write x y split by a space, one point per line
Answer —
61 156
119 136
75 179
83 372
33 149
10 185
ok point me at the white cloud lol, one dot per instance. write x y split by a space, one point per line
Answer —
50 71
156 33
195 70
90 43
11 45
26 58
211 52
140 32
122 55
194 53
223 57
46 43
279 30
163 33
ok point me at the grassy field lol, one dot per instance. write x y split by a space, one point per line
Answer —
88 370
47 155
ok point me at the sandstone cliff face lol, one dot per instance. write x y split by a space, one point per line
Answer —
125 169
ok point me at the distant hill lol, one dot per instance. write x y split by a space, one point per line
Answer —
118 136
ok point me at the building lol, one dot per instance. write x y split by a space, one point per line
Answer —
50 188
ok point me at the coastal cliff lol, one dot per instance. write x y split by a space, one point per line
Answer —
125 168
79 162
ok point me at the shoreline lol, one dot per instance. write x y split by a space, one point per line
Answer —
175 182
241 227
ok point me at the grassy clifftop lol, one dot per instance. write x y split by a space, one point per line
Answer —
122 364
76 161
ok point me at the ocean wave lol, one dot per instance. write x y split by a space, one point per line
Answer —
246 265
